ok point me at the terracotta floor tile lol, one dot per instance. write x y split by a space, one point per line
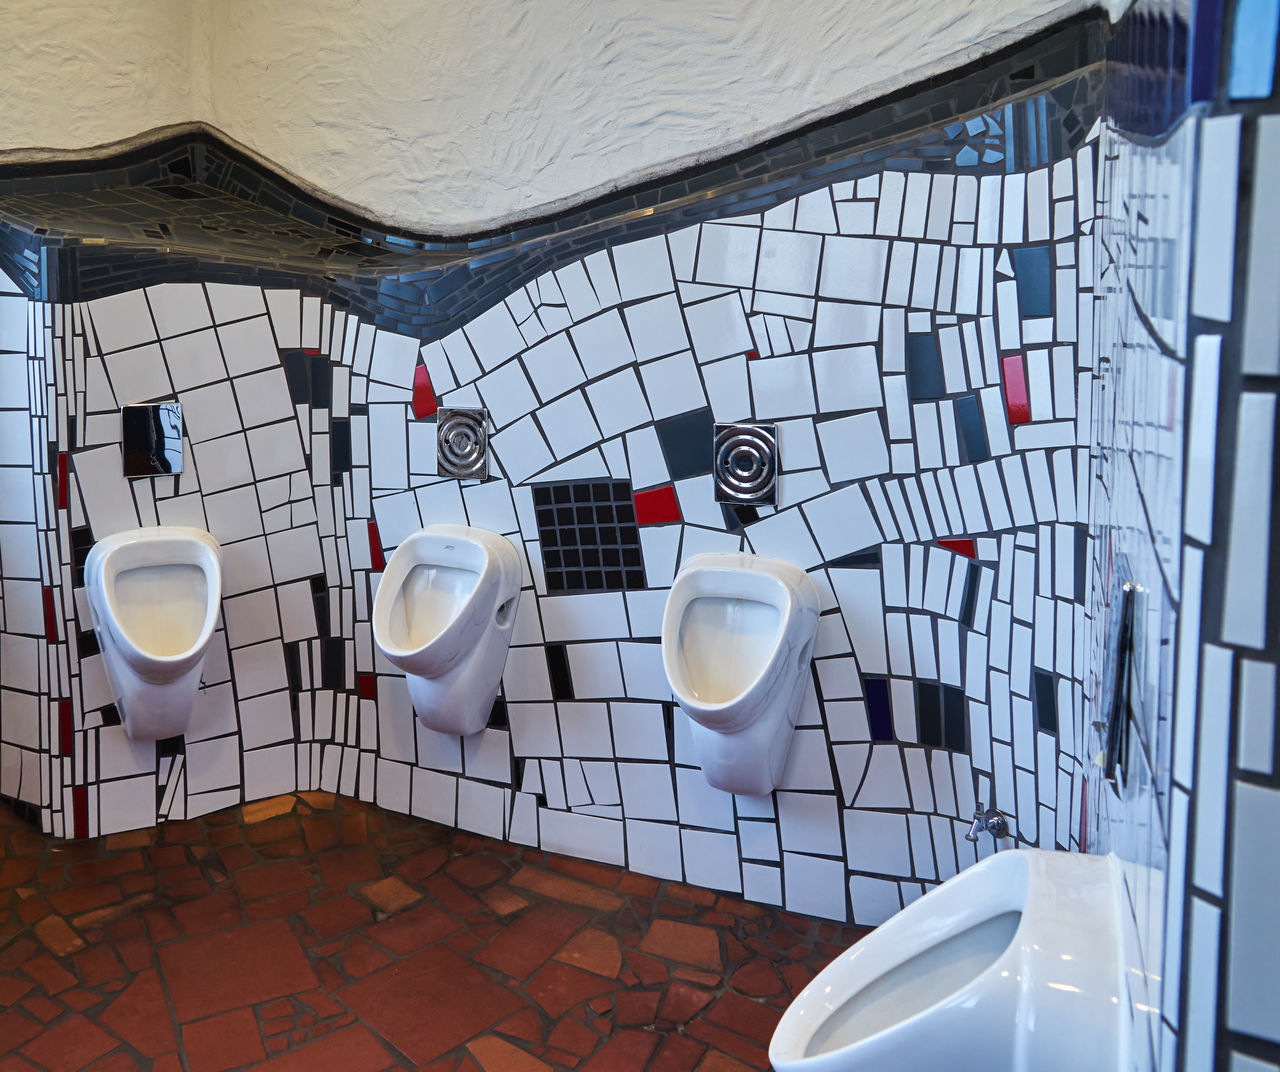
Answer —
69 1045
84 898
267 880
495 1055
260 810
413 929
565 889
222 1042
531 938
678 1054
721 1062
216 912
476 871
42 1008
574 1036
57 936
116 1062
218 972
354 1049
342 867
361 959
746 1017
17 872
593 950
627 1051
463 1003
140 1015
684 942
390 894
523 1025
335 917
98 965
451 895
49 974
559 988
424 864
15 1029
682 1003
502 900
12 989
14 1063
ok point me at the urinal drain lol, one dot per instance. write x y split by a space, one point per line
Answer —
746 464
462 443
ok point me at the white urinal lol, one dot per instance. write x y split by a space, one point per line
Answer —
737 639
443 614
1013 965
154 596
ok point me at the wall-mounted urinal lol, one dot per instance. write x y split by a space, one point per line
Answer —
737 639
1014 965
443 614
154 596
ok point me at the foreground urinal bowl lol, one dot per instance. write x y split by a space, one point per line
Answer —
443 614
1013 965
737 637
154 596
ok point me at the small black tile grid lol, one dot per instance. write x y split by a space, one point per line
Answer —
229 220
589 538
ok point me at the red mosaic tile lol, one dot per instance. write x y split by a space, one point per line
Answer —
463 1002
218 972
1016 399
69 1045
379 562
968 548
657 506
222 1042
424 397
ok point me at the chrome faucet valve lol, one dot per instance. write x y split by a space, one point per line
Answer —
989 819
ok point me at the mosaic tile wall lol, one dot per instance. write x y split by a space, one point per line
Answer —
999 383
914 337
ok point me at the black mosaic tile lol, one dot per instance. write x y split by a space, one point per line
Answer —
686 441
1046 702
924 368
87 644
558 669
929 713
170 747
879 712
498 714
81 545
320 600
954 723
973 432
339 447
111 715
333 663
969 604
588 535
857 560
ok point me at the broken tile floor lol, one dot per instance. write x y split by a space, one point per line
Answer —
311 932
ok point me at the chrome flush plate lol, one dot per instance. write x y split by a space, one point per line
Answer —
746 464
462 443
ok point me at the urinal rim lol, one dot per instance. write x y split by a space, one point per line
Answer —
796 601
796 1029
494 577
101 569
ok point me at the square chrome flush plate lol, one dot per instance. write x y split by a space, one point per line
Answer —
745 464
462 443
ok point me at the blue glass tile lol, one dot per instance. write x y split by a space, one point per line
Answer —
967 157
1253 49
973 434
924 368
1033 268
1206 30
1046 702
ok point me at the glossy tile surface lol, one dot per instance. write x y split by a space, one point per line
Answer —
315 932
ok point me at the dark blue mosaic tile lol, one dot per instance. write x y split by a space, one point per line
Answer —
973 432
686 441
1046 702
1033 268
879 712
924 368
